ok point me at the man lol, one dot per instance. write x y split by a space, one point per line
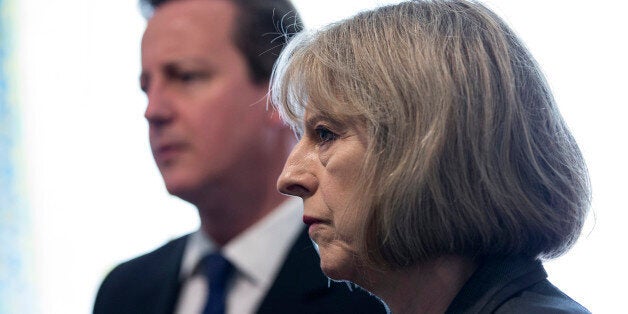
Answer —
205 71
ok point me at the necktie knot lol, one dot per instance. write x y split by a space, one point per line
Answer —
218 270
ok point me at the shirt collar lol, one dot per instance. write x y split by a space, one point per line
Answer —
258 252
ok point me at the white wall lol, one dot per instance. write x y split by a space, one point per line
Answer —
95 191
98 198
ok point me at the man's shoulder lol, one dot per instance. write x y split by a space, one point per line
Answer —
170 251
142 279
154 262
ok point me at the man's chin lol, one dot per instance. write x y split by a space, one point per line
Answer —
183 190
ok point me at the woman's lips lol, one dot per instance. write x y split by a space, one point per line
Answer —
310 220
313 225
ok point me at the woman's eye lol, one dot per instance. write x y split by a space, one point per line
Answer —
324 135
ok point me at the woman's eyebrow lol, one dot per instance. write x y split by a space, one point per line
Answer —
313 117
311 121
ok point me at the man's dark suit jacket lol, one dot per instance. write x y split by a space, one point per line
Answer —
512 285
150 284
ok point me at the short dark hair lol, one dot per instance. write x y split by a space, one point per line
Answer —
262 29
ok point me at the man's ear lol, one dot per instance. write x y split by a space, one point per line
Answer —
274 118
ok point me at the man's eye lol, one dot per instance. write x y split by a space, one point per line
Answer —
189 76
324 135
144 83
185 76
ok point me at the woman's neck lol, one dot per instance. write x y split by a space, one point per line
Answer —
424 288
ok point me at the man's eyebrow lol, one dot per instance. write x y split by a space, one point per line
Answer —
191 61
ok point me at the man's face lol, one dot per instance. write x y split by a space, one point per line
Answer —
206 117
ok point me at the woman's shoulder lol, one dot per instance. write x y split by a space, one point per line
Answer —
512 285
542 297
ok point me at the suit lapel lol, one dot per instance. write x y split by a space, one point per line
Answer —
166 277
298 280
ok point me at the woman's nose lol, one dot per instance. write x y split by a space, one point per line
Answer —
298 176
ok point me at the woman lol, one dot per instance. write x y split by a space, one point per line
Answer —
434 166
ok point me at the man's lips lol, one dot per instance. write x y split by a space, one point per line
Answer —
167 151
167 148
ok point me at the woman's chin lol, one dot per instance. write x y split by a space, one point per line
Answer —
338 263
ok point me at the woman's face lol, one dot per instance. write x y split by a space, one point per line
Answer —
323 169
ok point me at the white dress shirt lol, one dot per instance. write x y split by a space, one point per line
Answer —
257 254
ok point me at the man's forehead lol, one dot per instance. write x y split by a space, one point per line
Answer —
188 15
202 8
188 25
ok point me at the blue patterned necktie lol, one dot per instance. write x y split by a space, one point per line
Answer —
217 271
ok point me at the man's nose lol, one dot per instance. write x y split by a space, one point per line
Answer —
159 109
298 177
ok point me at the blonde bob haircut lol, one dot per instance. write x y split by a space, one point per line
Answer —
467 151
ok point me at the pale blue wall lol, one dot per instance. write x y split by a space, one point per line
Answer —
17 273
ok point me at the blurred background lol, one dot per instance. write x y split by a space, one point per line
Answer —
79 191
